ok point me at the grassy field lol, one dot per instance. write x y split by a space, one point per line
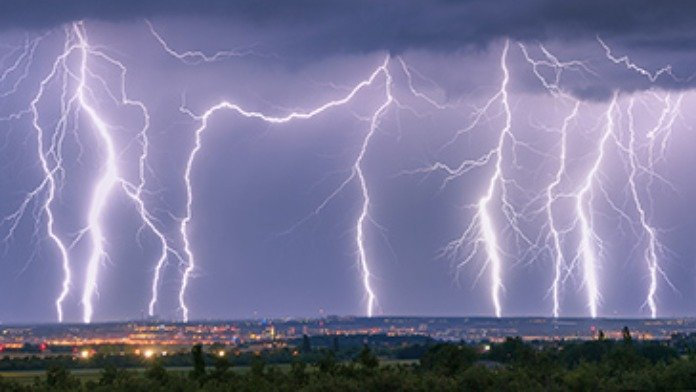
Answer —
28 376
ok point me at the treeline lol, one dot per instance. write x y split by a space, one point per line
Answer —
509 366
311 348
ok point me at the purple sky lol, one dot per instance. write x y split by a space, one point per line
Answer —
253 181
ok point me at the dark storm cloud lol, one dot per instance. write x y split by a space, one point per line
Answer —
302 31
367 25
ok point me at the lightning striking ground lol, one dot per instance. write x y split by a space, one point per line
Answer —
51 159
487 230
47 187
357 171
110 178
82 81
652 249
557 233
482 231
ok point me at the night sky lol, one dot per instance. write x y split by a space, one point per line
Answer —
276 207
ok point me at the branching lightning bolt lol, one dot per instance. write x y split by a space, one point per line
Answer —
663 127
81 86
110 178
583 203
481 231
76 45
357 171
651 251
193 57
48 185
552 194
626 61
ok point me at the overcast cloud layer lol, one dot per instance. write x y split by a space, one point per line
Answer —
368 25
655 33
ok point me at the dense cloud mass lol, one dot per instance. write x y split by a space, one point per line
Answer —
277 204
367 25
654 33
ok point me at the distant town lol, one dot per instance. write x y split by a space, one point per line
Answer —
157 337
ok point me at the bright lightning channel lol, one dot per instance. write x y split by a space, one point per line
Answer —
53 171
481 231
556 233
551 197
357 171
662 129
50 169
583 203
110 178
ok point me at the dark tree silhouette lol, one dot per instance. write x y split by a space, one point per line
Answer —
626 334
198 358
306 344
336 346
366 358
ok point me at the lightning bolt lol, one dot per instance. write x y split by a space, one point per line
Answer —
51 160
588 237
480 235
357 171
626 61
551 196
136 193
21 64
110 178
662 129
654 247
194 57
103 187
553 86
653 243
487 230
51 165
364 212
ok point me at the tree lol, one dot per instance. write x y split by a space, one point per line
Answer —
367 359
11 386
111 375
626 333
298 372
511 350
59 378
221 371
601 336
336 346
306 344
198 372
156 372
258 365
477 378
327 363
448 359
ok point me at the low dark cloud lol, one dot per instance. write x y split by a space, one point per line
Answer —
301 31
367 25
